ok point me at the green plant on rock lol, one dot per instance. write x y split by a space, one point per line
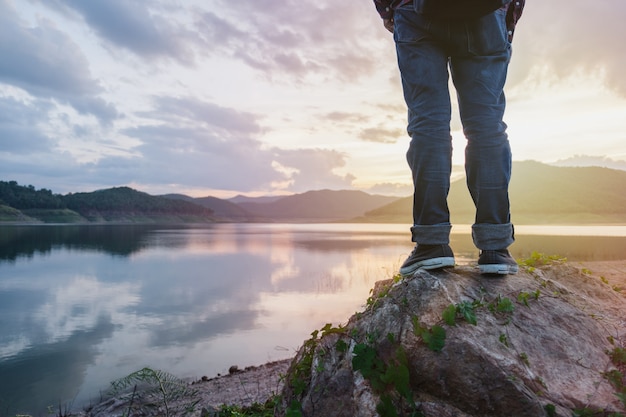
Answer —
524 296
299 376
550 410
617 377
538 259
504 339
618 356
434 337
389 379
159 393
501 305
255 410
464 309
373 300
524 358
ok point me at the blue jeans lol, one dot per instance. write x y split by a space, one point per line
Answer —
477 53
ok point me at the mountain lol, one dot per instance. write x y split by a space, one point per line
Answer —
591 161
125 204
238 199
223 209
318 206
539 194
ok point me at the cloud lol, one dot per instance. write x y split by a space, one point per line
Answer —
227 121
388 188
141 28
197 143
313 169
382 135
338 116
46 63
18 130
575 34
301 40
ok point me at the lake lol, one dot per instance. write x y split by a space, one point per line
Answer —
81 306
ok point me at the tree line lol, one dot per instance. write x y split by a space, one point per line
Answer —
27 197
118 199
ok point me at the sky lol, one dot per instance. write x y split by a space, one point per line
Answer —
271 97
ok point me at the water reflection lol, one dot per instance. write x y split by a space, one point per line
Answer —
83 305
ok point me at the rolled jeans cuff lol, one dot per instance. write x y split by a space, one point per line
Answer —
435 234
493 236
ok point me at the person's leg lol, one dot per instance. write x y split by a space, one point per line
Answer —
423 67
479 68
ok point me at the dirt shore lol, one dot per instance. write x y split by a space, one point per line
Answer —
254 384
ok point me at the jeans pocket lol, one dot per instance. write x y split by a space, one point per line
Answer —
409 27
488 35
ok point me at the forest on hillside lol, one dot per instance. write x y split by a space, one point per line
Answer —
103 204
27 197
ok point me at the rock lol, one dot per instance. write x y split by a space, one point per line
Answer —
541 345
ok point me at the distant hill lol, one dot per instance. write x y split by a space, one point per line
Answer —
312 206
539 194
238 199
126 204
225 210
318 206
121 204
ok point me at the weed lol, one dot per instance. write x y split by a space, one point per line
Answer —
255 410
618 356
372 300
524 296
585 412
616 377
434 337
501 305
389 379
449 315
464 309
299 376
467 311
537 259
161 390
524 357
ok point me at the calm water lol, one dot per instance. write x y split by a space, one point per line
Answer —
81 306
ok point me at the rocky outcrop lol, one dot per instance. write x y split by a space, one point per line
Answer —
545 342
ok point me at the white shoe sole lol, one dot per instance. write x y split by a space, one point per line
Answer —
498 269
427 264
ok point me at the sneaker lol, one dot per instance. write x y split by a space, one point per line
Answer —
427 257
498 262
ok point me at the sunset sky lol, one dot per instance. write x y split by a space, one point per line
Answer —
257 97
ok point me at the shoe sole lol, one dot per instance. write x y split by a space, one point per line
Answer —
498 269
428 264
